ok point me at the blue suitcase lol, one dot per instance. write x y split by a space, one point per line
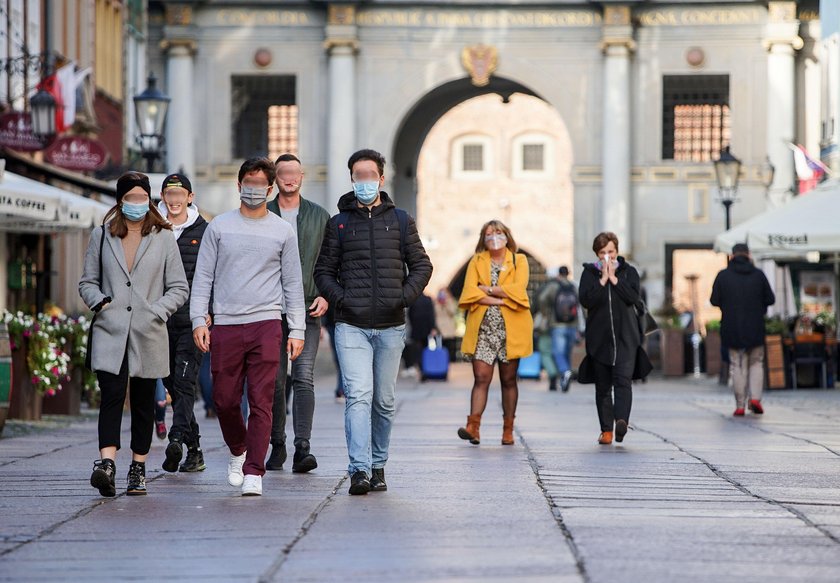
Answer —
530 366
434 364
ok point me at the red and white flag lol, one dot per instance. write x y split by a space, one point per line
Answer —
809 171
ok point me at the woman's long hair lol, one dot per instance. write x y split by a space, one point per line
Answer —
497 225
152 220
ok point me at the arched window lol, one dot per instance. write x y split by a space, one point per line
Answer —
533 156
471 157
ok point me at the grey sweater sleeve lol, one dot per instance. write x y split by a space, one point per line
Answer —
292 281
202 283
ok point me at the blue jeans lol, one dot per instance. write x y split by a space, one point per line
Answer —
562 342
370 361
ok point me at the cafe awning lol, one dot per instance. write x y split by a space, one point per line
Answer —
29 206
806 223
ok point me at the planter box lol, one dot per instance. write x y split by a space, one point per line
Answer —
5 375
673 356
713 360
774 362
25 402
67 401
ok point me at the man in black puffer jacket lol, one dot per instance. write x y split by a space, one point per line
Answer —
184 358
361 272
742 293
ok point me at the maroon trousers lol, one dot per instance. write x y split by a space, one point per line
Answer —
238 353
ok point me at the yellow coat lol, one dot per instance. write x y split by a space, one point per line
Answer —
516 311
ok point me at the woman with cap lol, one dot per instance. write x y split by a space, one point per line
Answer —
499 324
134 281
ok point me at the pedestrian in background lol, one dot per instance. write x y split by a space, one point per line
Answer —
499 324
557 307
742 293
309 221
134 281
362 272
446 313
249 260
609 291
188 226
421 319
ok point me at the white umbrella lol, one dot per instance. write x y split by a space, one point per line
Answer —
806 223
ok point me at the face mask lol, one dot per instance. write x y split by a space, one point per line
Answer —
495 242
366 192
253 196
134 212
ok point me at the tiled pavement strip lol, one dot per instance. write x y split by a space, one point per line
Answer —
692 495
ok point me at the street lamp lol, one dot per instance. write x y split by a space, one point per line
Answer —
727 172
150 109
766 174
43 106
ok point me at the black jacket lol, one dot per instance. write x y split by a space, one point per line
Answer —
421 316
362 272
612 327
188 245
742 293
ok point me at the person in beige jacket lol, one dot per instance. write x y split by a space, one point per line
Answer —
133 287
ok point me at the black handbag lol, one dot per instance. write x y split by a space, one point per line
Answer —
89 353
647 325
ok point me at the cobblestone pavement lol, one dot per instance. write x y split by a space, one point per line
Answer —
693 494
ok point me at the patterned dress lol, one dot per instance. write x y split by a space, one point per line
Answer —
491 334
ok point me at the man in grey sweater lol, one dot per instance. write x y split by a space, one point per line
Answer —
249 260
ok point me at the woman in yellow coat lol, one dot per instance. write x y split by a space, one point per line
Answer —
499 324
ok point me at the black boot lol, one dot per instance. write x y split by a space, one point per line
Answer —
359 484
136 479
377 480
552 383
174 453
195 459
102 478
277 458
303 461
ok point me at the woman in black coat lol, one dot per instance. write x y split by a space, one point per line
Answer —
609 291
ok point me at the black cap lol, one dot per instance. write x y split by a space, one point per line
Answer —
740 249
176 180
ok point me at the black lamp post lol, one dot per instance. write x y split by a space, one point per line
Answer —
42 106
150 108
727 172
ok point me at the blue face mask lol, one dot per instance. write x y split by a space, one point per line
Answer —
135 212
366 192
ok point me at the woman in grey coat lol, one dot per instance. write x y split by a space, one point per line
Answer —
136 284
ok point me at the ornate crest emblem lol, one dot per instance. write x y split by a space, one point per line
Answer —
480 61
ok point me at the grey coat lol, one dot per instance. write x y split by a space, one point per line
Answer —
141 302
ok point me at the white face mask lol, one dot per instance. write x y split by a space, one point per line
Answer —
495 242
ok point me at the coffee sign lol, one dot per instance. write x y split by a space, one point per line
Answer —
76 153
16 133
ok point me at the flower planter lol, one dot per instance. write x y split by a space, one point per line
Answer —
67 401
774 362
5 375
713 359
25 402
673 356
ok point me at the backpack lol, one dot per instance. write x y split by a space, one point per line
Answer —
566 304
402 219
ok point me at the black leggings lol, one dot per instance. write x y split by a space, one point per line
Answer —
608 379
142 396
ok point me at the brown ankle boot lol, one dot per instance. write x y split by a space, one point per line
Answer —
471 431
605 438
507 431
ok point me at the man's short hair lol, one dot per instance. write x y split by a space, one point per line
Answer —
367 154
740 249
287 158
564 271
260 164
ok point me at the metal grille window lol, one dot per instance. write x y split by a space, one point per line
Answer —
473 158
695 118
263 118
282 130
533 157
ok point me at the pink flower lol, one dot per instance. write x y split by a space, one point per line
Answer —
26 333
50 392
54 370
34 380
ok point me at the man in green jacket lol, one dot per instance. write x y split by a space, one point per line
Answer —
309 221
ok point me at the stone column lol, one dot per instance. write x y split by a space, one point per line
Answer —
618 46
781 40
180 122
341 46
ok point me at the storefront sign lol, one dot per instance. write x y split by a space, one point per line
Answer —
16 133
76 153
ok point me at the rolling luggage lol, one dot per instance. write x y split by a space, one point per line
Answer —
434 363
530 366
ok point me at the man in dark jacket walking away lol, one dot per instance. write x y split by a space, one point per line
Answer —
309 221
184 358
361 272
742 293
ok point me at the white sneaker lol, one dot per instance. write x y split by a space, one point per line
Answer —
235 475
252 485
